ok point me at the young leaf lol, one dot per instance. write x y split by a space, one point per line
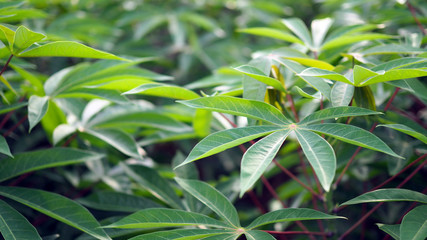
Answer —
120 140
213 199
353 135
341 94
67 49
257 74
58 207
399 63
163 90
289 214
405 129
257 158
258 235
298 27
310 62
24 38
220 141
317 72
271 32
320 154
319 28
4 148
188 234
52 157
37 108
7 36
346 40
414 224
241 107
395 74
361 74
164 217
149 179
392 230
336 112
14 226
388 195
116 201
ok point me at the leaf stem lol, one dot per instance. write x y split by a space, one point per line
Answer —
15 126
6 65
413 12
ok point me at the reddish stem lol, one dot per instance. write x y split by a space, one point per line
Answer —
391 99
412 9
256 202
294 111
15 126
6 65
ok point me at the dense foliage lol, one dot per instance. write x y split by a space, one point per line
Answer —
225 119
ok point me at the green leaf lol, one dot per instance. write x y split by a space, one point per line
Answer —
317 72
11 107
37 108
272 33
353 135
35 160
4 148
414 224
164 90
242 107
364 97
24 38
58 207
220 141
361 74
395 74
258 235
14 226
116 201
388 195
120 140
346 40
298 27
180 234
306 61
229 236
213 199
399 63
336 112
257 74
90 93
67 49
289 214
7 36
341 94
316 83
5 82
320 154
405 129
202 122
149 179
163 217
392 49
258 157
319 28
392 230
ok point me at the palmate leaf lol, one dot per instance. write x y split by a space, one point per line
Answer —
52 157
353 135
257 74
67 49
388 195
164 217
158 186
405 129
4 148
242 107
213 199
180 234
298 27
58 207
222 140
258 235
289 214
414 224
14 226
336 112
257 158
24 38
320 154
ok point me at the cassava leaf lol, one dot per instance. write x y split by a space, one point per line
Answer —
388 195
180 234
405 129
336 112
392 230
414 224
257 74
272 33
24 38
341 94
4 147
37 108
257 158
58 207
213 199
298 27
258 235
164 90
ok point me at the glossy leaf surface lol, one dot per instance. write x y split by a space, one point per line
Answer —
388 195
336 112
414 224
405 129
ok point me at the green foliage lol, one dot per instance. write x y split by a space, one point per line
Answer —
105 107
